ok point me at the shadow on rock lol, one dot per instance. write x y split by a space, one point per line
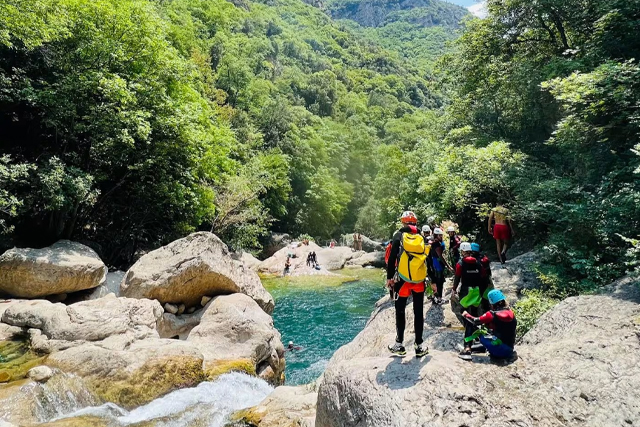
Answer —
434 316
402 373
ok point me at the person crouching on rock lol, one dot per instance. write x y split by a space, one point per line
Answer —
502 323
406 277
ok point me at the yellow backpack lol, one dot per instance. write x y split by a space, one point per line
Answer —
412 264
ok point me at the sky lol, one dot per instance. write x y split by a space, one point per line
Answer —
475 7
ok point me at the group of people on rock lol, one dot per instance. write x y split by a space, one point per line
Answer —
416 258
312 259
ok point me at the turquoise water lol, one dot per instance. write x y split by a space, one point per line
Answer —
320 318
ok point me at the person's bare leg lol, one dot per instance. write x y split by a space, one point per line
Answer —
499 248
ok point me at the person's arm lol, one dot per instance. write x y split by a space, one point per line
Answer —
456 279
441 258
482 320
393 256
489 223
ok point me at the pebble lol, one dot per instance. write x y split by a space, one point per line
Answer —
205 300
181 309
171 308
41 374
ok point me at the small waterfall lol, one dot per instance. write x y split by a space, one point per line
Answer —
209 404
62 394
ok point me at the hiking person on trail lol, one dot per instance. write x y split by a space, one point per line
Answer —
454 245
470 277
406 277
488 285
501 227
437 264
310 259
502 322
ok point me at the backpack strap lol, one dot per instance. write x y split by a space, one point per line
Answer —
414 229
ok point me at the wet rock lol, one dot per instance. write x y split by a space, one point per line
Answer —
234 327
58 269
41 374
285 407
185 270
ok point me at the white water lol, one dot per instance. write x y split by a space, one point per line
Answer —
208 404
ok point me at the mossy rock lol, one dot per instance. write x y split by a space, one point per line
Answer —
152 380
16 358
246 417
219 367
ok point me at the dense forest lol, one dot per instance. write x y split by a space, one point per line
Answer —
128 123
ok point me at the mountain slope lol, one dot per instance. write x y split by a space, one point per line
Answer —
417 29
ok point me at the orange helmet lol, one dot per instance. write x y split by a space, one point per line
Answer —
409 217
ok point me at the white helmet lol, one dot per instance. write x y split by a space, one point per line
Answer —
426 228
290 343
451 228
465 247
437 231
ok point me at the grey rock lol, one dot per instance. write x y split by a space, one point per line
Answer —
368 245
185 270
41 374
577 366
58 269
373 259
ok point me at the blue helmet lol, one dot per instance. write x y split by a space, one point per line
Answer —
495 296
475 247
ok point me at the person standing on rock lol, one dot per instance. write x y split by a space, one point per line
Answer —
406 277
502 322
501 227
437 263
487 286
470 277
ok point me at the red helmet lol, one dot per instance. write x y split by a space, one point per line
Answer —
409 217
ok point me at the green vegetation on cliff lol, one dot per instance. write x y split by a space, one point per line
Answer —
418 31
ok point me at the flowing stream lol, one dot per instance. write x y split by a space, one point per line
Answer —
207 405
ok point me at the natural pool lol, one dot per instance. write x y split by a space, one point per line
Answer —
321 314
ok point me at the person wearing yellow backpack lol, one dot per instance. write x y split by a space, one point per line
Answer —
406 274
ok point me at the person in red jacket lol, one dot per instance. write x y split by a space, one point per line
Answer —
470 277
502 322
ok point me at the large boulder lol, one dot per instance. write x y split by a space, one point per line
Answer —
286 406
368 245
575 367
371 259
93 320
185 270
336 258
516 275
298 254
61 268
234 327
276 242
